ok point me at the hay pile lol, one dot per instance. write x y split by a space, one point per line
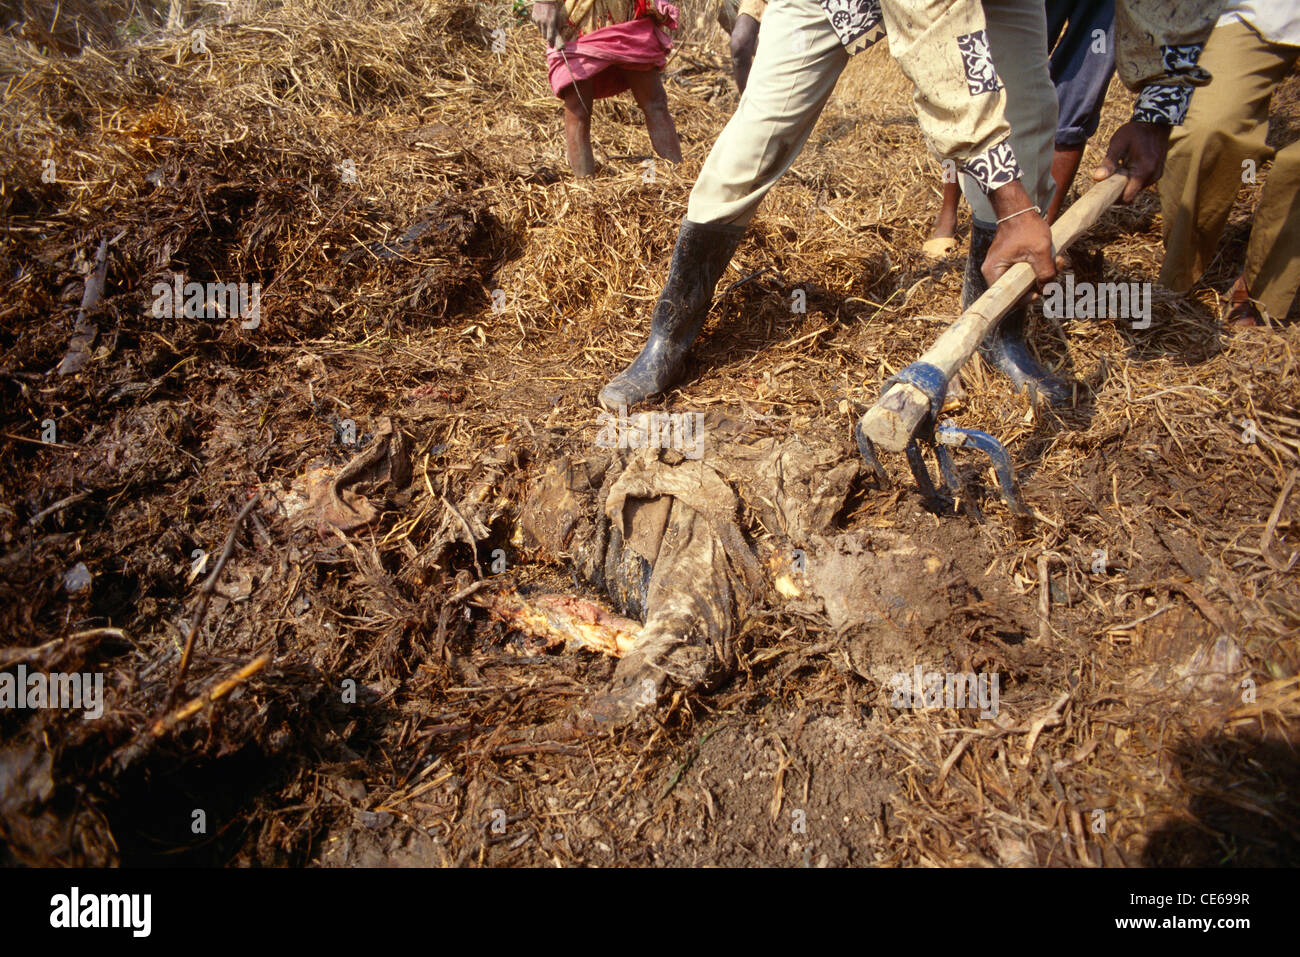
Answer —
231 159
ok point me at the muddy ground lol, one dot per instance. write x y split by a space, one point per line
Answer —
1150 719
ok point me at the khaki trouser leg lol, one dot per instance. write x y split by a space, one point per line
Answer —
1017 32
798 62
1225 127
1272 267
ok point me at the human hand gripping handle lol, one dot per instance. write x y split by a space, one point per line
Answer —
895 418
1023 236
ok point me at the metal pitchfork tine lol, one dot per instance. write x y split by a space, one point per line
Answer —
941 439
908 408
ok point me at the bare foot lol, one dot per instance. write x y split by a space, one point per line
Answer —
1242 310
1065 163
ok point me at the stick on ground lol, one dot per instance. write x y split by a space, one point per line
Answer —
206 590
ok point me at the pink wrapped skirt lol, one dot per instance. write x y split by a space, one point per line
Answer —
639 44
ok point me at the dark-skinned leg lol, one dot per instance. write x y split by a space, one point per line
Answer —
648 88
577 126
1065 163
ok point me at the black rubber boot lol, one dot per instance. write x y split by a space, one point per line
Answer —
699 259
1005 348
